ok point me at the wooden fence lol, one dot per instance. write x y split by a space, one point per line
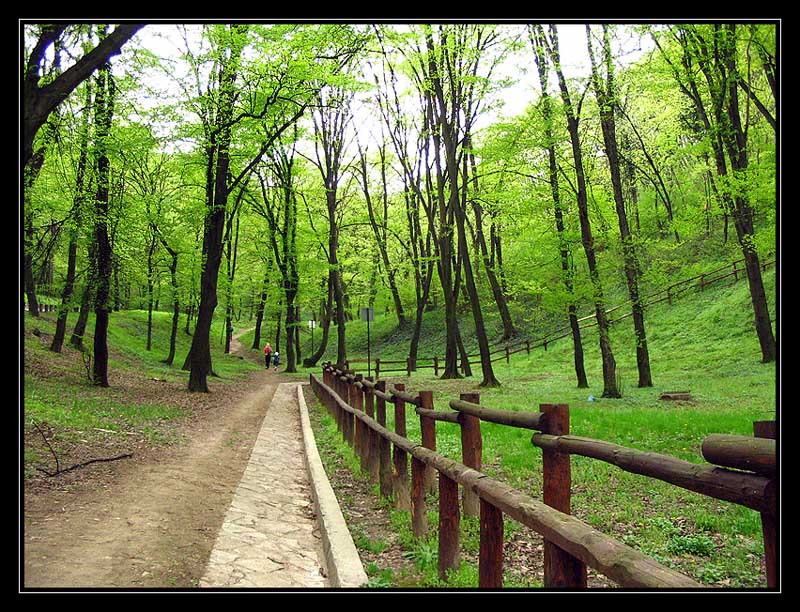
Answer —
742 471
506 349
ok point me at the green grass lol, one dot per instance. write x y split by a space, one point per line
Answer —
705 343
71 405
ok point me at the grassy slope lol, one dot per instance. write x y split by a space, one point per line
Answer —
705 343
56 391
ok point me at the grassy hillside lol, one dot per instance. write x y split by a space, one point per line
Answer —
704 343
147 399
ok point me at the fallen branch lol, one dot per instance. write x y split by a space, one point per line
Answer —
47 442
80 465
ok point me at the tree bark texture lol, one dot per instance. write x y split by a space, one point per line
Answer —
610 389
606 100
567 265
104 109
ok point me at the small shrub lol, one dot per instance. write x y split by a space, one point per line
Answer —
697 544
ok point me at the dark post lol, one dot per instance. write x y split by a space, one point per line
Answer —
419 517
490 559
384 452
428 428
373 460
471 450
357 402
449 521
401 484
436 366
767 429
561 570
366 432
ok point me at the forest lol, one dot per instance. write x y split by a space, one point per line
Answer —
284 173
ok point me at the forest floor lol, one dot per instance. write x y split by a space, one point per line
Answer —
150 520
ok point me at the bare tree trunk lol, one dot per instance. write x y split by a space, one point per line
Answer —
609 364
72 254
606 100
104 108
326 309
199 358
497 290
262 302
567 265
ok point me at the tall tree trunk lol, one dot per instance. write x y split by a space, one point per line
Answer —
104 108
606 100
199 357
497 289
327 307
610 389
150 285
262 302
79 331
77 205
736 146
176 305
489 379
380 235
445 247
31 172
567 265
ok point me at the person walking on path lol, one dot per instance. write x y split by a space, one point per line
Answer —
276 360
267 356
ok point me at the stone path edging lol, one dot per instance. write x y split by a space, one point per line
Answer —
344 566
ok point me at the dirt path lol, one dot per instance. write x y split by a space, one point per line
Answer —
150 521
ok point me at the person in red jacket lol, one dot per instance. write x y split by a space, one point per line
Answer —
267 355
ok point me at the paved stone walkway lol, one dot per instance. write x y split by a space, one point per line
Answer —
270 537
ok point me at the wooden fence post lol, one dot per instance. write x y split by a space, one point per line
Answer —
471 450
356 402
408 366
766 429
360 432
436 366
428 428
508 355
561 570
384 451
401 484
449 522
341 391
419 511
490 557
366 432
377 368
373 440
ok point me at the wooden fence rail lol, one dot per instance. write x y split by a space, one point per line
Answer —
570 544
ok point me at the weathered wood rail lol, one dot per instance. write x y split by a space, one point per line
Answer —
358 406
